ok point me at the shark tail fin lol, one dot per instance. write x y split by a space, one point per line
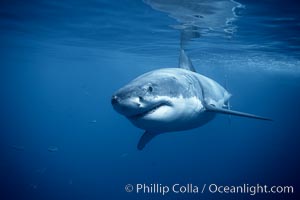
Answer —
211 108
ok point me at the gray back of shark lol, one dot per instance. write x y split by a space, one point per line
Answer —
172 99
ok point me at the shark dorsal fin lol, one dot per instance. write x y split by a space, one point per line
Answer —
185 62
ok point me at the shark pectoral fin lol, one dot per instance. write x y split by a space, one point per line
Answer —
145 139
211 108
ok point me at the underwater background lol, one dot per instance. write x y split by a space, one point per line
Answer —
60 62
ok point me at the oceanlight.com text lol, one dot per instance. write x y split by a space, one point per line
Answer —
189 188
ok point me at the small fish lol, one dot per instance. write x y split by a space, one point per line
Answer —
93 121
17 147
52 148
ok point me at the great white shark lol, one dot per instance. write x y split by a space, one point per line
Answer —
172 99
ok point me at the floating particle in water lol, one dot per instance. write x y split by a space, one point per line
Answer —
124 155
93 121
17 147
153 164
70 182
41 171
33 186
52 148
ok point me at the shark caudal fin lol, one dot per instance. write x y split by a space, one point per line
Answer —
211 108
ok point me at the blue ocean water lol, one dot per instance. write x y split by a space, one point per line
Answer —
62 60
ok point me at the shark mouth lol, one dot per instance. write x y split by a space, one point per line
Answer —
147 112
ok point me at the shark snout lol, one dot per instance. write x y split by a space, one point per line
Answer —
115 100
126 106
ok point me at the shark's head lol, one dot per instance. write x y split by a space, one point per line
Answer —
154 99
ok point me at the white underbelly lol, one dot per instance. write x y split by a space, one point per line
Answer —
182 114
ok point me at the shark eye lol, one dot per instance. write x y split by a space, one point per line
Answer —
150 88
